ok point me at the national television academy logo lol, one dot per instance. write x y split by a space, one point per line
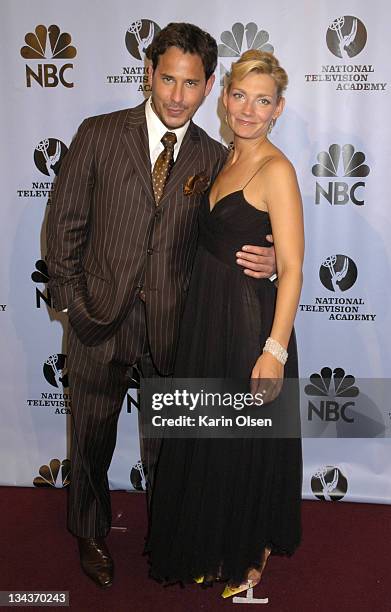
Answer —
48 43
239 39
55 371
338 273
329 483
139 36
340 161
138 476
346 37
48 155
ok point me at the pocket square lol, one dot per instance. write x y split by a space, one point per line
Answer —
196 184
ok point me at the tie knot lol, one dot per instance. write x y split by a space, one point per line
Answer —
169 140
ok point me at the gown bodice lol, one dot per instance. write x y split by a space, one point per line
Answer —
232 223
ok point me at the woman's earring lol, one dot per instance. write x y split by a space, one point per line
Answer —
271 125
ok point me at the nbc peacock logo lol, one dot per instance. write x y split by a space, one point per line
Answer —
330 389
48 43
55 474
41 276
340 161
332 383
242 38
329 162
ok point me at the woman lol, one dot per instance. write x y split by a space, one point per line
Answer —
221 506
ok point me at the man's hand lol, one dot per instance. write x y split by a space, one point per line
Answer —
258 262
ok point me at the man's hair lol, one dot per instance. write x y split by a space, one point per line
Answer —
190 39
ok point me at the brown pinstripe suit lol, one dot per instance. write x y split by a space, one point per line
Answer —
107 240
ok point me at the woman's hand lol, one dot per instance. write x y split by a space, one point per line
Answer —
267 377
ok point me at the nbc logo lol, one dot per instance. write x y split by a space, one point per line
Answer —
340 161
48 44
48 474
41 275
334 385
239 39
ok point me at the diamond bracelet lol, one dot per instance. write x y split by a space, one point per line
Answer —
275 348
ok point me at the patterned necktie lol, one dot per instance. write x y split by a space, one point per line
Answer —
163 165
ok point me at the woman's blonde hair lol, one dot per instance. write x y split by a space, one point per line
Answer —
261 62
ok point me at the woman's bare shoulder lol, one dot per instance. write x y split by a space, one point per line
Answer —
277 162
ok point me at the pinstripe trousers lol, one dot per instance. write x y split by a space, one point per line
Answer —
99 378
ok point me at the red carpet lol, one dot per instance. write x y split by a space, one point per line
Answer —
343 564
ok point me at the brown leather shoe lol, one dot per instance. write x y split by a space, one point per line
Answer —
96 561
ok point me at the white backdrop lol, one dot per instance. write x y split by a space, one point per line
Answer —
336 130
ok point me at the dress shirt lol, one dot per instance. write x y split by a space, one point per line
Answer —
157 129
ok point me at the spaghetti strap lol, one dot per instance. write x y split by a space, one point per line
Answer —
256 172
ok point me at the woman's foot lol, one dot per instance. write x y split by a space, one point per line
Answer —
230 591
253 578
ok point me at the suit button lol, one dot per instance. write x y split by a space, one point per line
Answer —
150 251
158 212
142 296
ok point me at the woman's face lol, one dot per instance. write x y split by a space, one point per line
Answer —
251 105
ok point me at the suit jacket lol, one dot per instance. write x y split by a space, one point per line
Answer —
107 239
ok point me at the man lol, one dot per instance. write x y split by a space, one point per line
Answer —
122 233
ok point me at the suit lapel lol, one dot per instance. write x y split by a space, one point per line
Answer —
135 137
188 153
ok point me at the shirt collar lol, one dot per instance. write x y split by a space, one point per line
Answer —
157 129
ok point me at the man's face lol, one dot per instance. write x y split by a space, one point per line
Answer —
178 86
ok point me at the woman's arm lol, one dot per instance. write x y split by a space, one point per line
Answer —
282 196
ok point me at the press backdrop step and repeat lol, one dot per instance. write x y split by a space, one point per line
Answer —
62 62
